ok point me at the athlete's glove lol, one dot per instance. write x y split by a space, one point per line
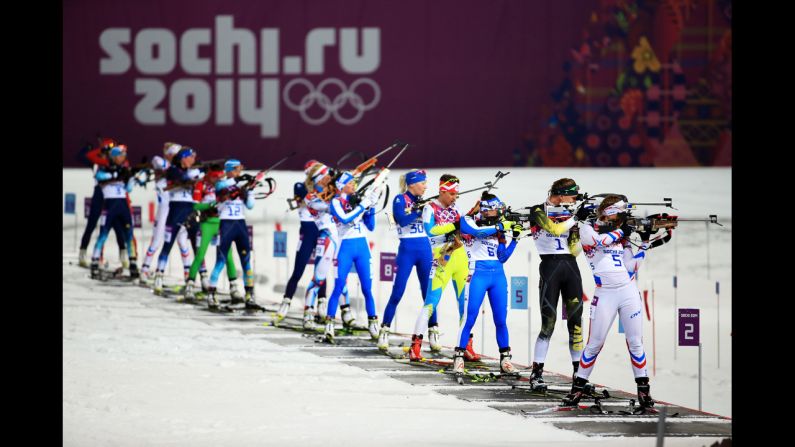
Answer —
582 213
375 194
505 224
367 201
606 227
457 224
371 197
627 229
517 229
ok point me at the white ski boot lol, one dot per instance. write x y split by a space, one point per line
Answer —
309 319
124 257
458 362
190 294
322 308
372 327
328 334
383 338
234 293
506 367
284 307
82 259
348 318
433 339
205 281
212 301
158 287
146 275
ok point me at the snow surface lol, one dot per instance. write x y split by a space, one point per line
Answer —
135 373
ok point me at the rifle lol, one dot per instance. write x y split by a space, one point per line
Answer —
591 202
520 216
252 182
490 185
360 170
377 181
142 173
206 164
486 185
664 221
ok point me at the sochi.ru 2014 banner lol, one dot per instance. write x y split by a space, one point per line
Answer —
460 80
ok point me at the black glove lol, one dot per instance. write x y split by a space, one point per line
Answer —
582 213
355 200
606 227
627 229
457 225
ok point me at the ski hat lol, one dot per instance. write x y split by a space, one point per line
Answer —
213 174
184 152
345 178
118 150
415 176
491 204
172 149
231 164
107 143
309 165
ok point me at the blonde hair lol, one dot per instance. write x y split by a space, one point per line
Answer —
310 184
328 191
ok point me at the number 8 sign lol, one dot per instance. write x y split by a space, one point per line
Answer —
388 266
689 327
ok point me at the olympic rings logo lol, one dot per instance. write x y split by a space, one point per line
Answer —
331 107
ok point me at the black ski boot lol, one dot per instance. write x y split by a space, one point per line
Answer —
577 391
536 376
251 303
576 366
94 270
644 398
134 273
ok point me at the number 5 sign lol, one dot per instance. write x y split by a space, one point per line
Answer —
519 292
689 327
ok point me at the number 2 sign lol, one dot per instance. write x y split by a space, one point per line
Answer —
689 327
